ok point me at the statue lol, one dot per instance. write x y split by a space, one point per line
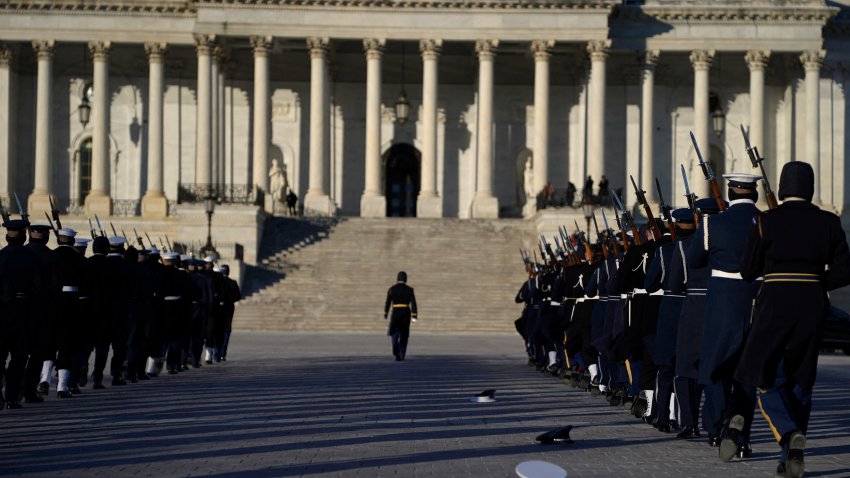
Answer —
528 177
278 183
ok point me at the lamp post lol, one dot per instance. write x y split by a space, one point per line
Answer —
209 207
718 122
588 208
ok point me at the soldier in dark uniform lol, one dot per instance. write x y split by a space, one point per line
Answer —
44 346
402 301
176 294
193 349
120 274
719 242
103 291
231 295
214 326
801 251
21 285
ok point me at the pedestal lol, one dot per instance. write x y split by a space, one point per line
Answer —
429 207
318 205
154 206
36 205
529 209
373 206
485 207
100 205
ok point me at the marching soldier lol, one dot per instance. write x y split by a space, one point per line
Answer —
719 243
42 317
401 299
801 251
231 295
176 294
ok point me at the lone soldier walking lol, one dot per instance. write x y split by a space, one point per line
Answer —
401 299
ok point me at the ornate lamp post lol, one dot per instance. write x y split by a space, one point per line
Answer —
718 122
588 207
209 207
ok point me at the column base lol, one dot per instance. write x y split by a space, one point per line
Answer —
373 206
319 205
429 207
37 205
485 207
154 206
529 209
100 205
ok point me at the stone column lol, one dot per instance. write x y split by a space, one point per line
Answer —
215 61
598 52
203 130
429 204
701 61
647 125
7 129
757 62
373 203
484 204
98 201
221 132
39 198
262 111
317 201
812 61
154 202
541 49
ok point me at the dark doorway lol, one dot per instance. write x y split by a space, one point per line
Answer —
401 176
84 156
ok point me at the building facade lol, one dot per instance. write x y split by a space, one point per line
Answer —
134 107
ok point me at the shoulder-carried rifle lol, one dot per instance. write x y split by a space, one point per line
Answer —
757 160
609 232
666 210
55 213
21 210
650 217
139 239
100 226
627 221
50 221
91 230
709 176
690 196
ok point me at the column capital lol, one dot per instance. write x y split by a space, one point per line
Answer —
5 56
100 50
757 59
486 49
374 48
812 60
701 59
430 49
318 47
43 48
542 49
204 44
261 45
217 53
155 51
649 59
598 49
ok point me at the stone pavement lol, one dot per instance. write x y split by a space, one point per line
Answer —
338 405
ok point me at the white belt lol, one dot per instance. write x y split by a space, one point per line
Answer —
658 292
70 288
580 300
726 275
639 292
173 297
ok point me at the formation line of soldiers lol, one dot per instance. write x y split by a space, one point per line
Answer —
57 306
717 300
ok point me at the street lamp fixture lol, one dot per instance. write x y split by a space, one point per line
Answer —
588 207
209 207
84 112
402 104
718 122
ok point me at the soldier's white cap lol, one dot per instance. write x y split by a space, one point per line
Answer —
80 241
741 180
209 259
185 257
116 241
170 256
66 232
216 269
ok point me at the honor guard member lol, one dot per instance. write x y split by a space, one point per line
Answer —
201 310
214 326
402 301
527 296
692 283
231 295
720 244
117 301
103 285
801 251
21 286
176 293
69 325
42 317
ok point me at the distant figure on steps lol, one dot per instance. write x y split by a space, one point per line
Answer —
402 301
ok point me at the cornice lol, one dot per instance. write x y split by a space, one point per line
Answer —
496 5
728 14
141 8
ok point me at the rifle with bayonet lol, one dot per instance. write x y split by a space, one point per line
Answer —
4 213
650 217
149 240
55 213
666 211
162 245
627 221
139 239
91 230
588 252
170 248
99 226
114 234
609 232
709 176
21 211
552 258
599 238
690 196
49 221
757 160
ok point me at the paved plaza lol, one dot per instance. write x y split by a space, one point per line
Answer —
338 405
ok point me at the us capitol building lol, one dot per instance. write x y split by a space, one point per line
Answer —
137 110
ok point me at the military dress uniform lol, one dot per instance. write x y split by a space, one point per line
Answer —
402 301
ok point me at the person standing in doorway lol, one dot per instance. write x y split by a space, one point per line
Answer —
402 301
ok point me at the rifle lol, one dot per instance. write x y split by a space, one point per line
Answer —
124 235
691 197
3 212
599 238
114 234
757 160
666 210
139 238
164 249
552 257
641 197
149 240
588 252
51 223
608 231
628 221
169 243
21 211
709 176
99 226
55 213
91 230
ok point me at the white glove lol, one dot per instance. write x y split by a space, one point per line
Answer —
413 320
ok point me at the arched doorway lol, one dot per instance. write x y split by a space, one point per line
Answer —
84 157
401 180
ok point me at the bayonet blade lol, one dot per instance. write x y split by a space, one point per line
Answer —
685 179
706 168
658 188
619 202
20 208
605 220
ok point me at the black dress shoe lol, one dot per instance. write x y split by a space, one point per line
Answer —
172 372
780 470
63 394
43 388
84 376
664 427
688 433
98 386
117 382
745 451
731 437
35 398
76 390
795 467
133 379
209 362
14 405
